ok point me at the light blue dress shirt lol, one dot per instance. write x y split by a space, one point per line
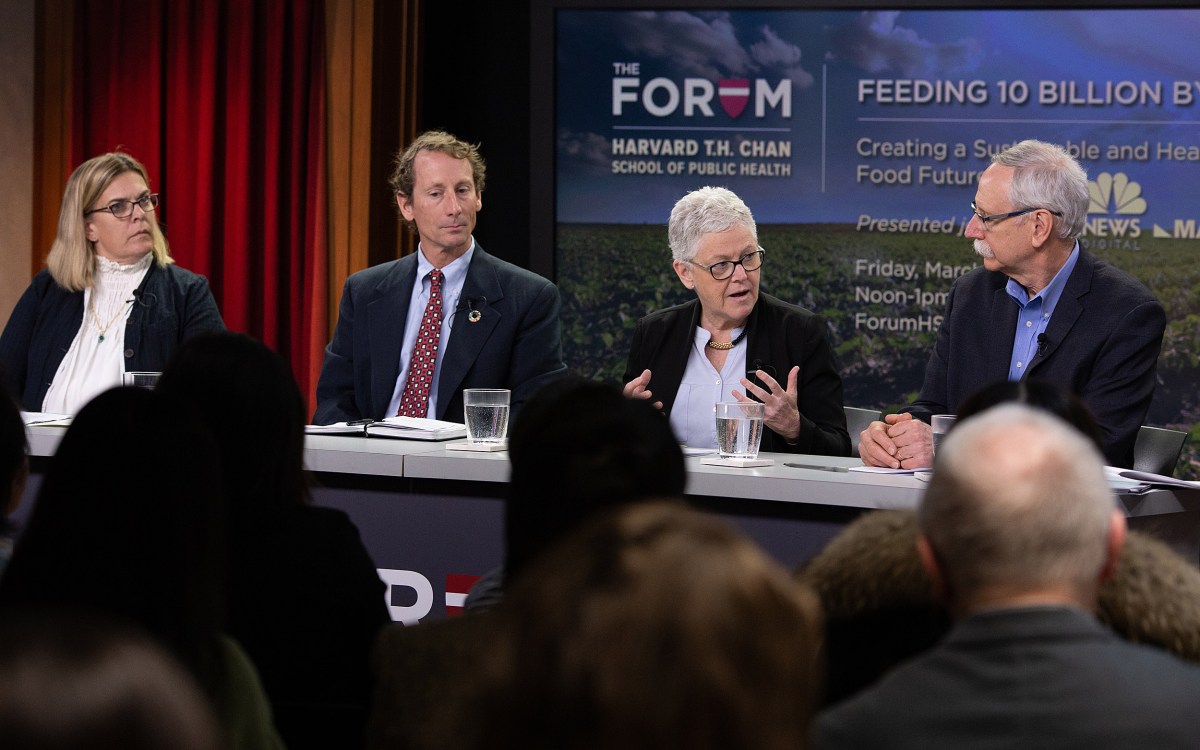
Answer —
454 276
1035 315
693 416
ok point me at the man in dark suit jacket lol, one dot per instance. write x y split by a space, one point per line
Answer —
1041 307
1017 531
499 324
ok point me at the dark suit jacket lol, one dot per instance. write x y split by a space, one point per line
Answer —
779 336
1102 343
1036 677
173 304
514 345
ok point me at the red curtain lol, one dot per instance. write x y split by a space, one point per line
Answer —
224 102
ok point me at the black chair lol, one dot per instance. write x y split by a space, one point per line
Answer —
1157 450
856 421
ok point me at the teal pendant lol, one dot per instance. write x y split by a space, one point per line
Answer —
102 338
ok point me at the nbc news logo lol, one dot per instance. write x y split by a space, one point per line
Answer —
1115 203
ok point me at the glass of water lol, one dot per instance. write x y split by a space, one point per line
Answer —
940 424
140 379
487 414
739 428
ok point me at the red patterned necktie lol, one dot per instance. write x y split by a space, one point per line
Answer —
415 400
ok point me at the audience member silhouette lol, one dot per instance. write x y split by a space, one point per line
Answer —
1039 394
14 469
578 447
880 608
878 601
87 683
304 597
652 626
127 524
1018 529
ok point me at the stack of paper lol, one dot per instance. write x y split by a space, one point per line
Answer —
405 428
416 428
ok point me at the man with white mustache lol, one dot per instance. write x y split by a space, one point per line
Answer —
1042 308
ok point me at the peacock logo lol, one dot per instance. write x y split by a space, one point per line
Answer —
1118 199
1115 194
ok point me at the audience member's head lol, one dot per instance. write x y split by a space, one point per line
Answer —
1154 597
880 609
126 525
86 683
652 626
1038 394
1018 510
14 462
246 394
577 447
877 600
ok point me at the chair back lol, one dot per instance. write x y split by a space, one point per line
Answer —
856 421
1157 450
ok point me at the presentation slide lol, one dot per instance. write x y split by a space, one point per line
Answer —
856 139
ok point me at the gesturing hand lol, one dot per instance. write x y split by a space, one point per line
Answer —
636 388
781 413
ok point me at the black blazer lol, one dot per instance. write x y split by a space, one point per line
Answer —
779 336
514 344
1102 343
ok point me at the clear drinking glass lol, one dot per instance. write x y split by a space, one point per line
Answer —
140 379
487 414
739 428
941 424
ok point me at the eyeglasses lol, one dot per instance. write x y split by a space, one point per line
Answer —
123 209
722 270
988 221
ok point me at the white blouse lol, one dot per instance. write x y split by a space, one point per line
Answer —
96 359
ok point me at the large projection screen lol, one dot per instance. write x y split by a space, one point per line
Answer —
856 136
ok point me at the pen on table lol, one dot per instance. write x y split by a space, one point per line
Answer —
818 468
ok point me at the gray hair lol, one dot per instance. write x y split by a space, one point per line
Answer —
705 211
1018 499
1048 177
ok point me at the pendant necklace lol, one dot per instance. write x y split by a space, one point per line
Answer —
103 329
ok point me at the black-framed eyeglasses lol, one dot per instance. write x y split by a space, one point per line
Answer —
991 219
723 269
123 209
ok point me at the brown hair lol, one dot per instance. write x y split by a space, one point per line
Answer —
654 626
404 174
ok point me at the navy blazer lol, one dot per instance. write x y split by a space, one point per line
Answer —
515 344
1102 343
1034 677
172 304
778 337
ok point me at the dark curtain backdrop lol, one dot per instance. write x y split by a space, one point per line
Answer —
224 102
